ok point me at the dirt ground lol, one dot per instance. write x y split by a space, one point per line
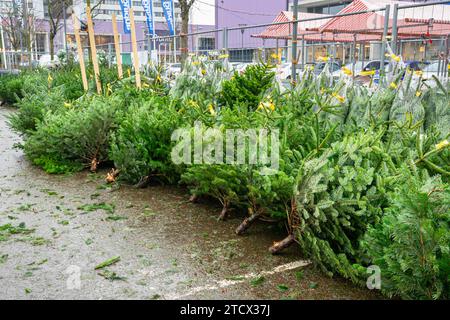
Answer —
55 229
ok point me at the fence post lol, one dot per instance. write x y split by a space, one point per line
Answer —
137 74
384 39
117 47
294 42
303 52
151 46
394 29
353 54
225 40
174 49
76 30
3 47
362 49
445 69
93 50
109 55
313 53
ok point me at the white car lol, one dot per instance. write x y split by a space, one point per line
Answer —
242 66
173 69
432 70
284 71
46 62
234 65
358 69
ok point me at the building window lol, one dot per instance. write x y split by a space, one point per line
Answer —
241 55
41 39
206 44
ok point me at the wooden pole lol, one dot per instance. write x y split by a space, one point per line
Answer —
76 29
117 47
134 46
93 50
294 43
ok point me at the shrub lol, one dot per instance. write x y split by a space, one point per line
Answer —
247 89
411 245
69 82
142 144
270 195
76 138
11 89
337 196
436 103
226 183
33 108
200 80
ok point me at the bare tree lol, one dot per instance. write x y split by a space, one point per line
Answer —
95 10
18 24
55 12
185 8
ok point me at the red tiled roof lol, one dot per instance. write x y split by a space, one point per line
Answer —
410 23
414 22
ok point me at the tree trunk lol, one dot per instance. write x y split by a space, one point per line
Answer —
143 183
52 46
94 164
184 48
88 5
283 244
246 223
193 198
223 213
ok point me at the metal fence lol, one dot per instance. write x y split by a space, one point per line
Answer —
416 32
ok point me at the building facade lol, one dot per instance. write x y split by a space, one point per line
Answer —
331 6
205 15
238 13
202 18
236 16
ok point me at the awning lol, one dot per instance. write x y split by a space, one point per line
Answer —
415 22
420 21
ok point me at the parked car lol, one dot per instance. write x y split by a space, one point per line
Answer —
320 66
414 65
6 72
240 66
374 65
433 68
173 69
284 71
358 68
234 65
45 61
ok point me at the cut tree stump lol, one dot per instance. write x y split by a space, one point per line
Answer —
193 198
143 183
283 244
94 164
247 223
223 213
112 175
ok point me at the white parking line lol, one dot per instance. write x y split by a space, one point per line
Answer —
219 284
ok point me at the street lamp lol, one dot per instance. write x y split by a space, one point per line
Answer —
242 33
242 39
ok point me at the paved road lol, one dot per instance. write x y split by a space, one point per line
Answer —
53 237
